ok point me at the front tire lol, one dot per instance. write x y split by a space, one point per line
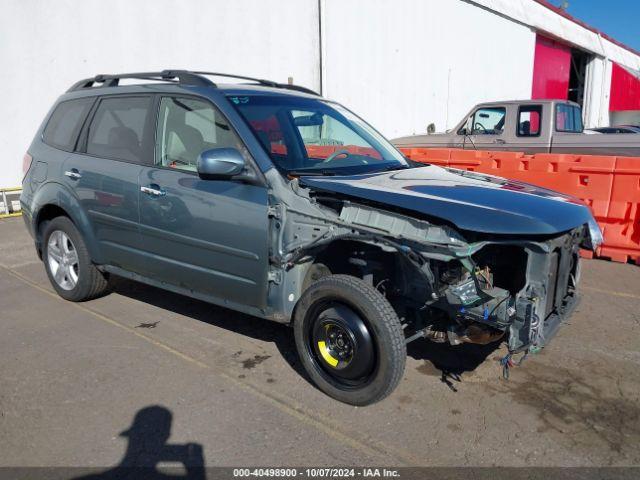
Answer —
350 340
68 264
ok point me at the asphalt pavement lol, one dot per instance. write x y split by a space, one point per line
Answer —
143 370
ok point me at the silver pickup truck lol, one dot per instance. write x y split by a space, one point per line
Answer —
530 126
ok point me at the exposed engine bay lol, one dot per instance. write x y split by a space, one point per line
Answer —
445 286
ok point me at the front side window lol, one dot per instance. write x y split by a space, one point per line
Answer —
117 128
568 118
65 123
186 128
316 136
529 117
485 121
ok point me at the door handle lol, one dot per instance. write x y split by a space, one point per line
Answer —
154 190
499 141
73 174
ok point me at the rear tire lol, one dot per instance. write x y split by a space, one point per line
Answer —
349 339
69 268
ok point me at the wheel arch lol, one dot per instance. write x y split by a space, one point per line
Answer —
53 200
332 259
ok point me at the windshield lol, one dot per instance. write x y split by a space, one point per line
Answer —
313 136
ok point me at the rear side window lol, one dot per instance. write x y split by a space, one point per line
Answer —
529 121
117 128
65 123
568 118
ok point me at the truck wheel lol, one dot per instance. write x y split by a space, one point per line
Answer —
349 340
67 262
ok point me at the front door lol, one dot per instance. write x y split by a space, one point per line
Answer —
207 236
484 129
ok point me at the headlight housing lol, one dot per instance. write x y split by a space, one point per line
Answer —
595 236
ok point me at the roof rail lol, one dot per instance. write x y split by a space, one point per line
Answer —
266 83
175 76
183 77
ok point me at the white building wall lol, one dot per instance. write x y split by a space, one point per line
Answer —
401 64
46 46
631 117
404 64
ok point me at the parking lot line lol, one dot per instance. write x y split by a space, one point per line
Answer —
104 318
312 419
610 292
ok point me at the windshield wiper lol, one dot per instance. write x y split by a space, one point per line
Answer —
310 173
396 167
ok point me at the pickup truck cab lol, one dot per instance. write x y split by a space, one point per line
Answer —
529 126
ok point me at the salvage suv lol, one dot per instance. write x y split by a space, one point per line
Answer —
271 200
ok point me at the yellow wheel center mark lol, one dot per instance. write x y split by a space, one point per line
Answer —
324 351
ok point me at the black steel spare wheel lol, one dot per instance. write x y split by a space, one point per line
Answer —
349 339
341 343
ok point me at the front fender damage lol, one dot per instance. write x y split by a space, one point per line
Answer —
470 291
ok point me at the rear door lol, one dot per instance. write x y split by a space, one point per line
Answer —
208 236
116 140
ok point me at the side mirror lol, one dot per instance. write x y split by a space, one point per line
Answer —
220 163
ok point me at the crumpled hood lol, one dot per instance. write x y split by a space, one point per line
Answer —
468 200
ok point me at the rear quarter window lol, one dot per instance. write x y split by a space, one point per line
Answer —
65 123
529 121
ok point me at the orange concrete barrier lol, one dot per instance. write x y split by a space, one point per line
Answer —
622 223
609 185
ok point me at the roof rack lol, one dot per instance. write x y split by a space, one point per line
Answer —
181 77
261 81
176 76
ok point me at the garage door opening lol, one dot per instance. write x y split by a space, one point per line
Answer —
578 74
559 71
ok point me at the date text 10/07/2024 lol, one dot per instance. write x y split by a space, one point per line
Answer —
316 472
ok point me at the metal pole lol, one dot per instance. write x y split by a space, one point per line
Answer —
4 200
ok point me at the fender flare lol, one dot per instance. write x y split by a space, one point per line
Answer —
60 195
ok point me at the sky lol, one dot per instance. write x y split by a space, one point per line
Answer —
618 18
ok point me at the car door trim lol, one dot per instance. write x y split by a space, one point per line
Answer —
104 218
268 314
216 247
190 266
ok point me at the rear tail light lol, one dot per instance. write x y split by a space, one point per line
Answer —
26 164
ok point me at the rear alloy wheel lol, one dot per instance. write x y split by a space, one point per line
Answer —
69 268
349 339
62 257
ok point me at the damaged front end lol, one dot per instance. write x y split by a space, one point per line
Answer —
443 286
520 290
